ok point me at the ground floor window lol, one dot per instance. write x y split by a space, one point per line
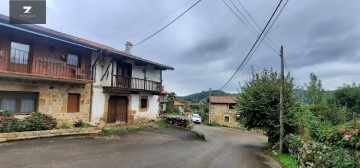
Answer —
18 102
144 103
226 118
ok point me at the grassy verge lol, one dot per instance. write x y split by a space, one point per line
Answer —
114 132
219 125
286 160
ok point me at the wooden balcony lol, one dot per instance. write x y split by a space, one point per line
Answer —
19 63
121 83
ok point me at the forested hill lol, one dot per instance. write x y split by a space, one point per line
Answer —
203 95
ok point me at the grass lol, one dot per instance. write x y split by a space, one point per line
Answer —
114 132
213 124
161 123
286 160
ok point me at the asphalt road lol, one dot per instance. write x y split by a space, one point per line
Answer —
162 147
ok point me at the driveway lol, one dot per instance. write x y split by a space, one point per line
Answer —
161 147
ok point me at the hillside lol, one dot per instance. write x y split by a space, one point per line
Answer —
203 95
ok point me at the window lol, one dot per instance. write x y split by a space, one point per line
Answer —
232 106
73 59
18 102
144 103
19 53
226 119
73 102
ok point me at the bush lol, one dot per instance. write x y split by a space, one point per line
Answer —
38 121
81 124
339 136
313 154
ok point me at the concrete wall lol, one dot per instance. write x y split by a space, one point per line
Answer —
218 111
152 112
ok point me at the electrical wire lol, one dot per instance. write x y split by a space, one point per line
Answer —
262 38
159 20
167 24
252 48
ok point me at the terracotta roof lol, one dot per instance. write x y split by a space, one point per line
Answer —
49 32
178 103
164 92
222 99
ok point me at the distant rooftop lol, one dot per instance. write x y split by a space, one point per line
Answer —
222 99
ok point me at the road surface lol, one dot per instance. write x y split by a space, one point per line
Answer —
152 148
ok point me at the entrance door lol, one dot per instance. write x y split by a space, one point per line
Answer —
117 110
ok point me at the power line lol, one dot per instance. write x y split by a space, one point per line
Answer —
262 38
253 20
252 29
157 21
262 32
167 24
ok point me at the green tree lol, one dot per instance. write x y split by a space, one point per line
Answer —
315 92
258 104
349 96
170 108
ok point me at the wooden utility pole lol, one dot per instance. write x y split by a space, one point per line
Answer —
281 143
209 104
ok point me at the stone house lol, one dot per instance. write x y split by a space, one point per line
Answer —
222 110
180 106
74 79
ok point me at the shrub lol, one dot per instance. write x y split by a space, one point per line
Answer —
81 124
7 122
338 135
313 154
38 121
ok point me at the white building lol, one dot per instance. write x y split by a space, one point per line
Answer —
126 88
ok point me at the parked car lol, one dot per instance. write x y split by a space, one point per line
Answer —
196 118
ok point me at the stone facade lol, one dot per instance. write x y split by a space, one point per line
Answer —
52 97
47 133
218 112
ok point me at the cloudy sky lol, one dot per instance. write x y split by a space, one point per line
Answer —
206 45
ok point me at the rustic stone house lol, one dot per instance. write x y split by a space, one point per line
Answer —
74 79
222 110
180 106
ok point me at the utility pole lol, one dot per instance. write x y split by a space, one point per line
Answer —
209 104
281 143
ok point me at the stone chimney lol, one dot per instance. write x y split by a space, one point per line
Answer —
128 47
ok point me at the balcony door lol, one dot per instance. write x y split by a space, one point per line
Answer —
123 77
19 57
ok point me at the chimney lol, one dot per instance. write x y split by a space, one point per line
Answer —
128 47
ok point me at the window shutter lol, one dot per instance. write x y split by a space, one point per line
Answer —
73 103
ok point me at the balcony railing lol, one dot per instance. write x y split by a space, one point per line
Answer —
136 84
20 61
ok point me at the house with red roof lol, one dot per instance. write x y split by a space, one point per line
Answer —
222 110
73 79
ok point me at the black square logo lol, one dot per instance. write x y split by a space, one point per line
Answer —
27 11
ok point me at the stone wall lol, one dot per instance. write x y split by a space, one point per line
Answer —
219 111
47 133
52 97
